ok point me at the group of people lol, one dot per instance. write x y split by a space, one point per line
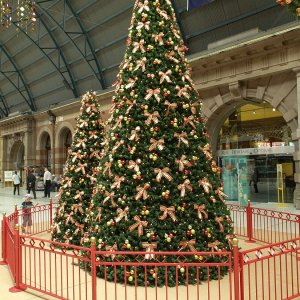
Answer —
50 182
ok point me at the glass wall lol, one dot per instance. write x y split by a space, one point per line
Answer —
252 142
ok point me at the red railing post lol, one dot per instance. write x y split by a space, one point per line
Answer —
249 223
50 211
236 269
16 215
241 265
17 257
4 240
93 268
298 234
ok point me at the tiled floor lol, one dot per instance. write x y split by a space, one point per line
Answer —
8 200
7 204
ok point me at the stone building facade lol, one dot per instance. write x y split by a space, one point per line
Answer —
264 69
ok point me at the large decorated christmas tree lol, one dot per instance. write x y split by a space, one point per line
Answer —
159 187
80 174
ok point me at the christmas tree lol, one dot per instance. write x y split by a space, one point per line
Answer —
159 187
80 174
292 5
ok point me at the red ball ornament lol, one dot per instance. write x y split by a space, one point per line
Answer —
188 233
171 235
153 237
172 123
167 196
113 223
142 107
206 233
186 172
156 129
184 204
152 271
166 94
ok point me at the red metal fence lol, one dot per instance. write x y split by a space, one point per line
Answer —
70 272
271 272
264 225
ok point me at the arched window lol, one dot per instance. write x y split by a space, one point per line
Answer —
48 152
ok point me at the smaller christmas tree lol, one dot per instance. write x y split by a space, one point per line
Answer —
80 174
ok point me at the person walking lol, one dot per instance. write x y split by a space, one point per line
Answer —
30 180
254 178
17 181
47 183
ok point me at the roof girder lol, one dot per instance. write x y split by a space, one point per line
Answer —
29 99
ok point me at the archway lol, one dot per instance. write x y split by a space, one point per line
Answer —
64 142
16 158
45 150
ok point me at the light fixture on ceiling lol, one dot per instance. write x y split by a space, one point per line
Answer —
254 112
274 109
20 12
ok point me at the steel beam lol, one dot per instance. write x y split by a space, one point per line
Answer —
230 21
3 101
73 86
99 72
84 55
29 99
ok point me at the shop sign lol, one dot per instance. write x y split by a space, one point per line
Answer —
8 175
257 151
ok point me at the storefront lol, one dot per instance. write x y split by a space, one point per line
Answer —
249 171
252 173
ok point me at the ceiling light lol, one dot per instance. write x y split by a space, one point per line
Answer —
254 112
21 12
274 109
